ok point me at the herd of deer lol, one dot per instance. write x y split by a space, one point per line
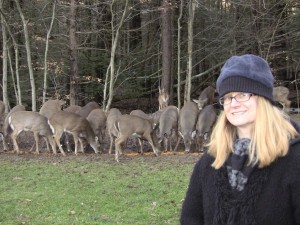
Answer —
88 124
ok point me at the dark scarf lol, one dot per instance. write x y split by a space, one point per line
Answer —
237 168
236 194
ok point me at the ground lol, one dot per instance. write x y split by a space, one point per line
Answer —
26 140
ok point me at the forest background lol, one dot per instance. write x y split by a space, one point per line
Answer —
120 52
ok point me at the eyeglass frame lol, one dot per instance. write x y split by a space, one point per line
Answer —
234 97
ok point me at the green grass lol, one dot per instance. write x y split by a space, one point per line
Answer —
81 191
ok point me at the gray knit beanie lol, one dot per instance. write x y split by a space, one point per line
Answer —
246 73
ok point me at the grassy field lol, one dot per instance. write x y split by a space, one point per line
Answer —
91 189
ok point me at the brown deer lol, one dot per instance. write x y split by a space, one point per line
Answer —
142 114
97 120
127 126
112 116
89 107
163 98
206 97
78 126
206 120
168 127
50 107
31 121
6 129
67 136
72 108
187 124
280 94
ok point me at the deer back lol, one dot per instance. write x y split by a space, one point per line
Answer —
206 97
188 117
140 113
17 108
29 121
155 116
168 120
50 107
85 110
72 108
97 120
112 116
206 120
128 125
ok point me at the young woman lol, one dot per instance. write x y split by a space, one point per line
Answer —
251 172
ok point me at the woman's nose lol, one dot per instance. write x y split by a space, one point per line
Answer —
234 102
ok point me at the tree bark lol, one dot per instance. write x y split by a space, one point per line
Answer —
29 61
188 84
73 54
16 49
115 42
4 61
179 55
46 53
167 53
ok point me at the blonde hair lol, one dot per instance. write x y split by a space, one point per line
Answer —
270 138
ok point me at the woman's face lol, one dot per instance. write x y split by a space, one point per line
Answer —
241 114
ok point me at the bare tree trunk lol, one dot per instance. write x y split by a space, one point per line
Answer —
28 51
16 49
4 61
73 54
179 56
167 54
115 41
188 84
12 76
46 53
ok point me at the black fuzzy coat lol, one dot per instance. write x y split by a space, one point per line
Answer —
271 196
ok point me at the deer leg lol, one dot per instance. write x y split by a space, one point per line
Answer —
118 146
5 145
32 147
47 144
81 144
57 136
111 143
165 142
76 140
177 144
170 143
155 150
141 142
14 136
36 139
53 144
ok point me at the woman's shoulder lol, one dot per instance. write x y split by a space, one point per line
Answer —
205 161
294 151
290 163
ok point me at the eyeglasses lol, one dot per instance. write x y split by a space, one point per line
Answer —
241 97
